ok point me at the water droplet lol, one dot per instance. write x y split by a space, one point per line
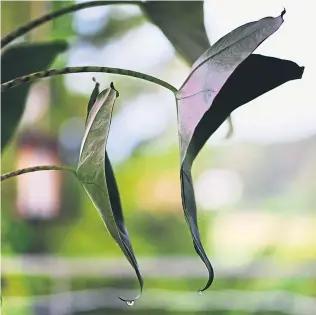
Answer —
200 292
130 303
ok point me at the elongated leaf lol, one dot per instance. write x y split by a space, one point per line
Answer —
212 91
16 61
182 22
97 177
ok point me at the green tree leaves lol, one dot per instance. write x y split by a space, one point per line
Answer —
96 174
182 22
16 61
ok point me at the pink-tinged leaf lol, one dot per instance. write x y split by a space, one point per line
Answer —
222 79
210 72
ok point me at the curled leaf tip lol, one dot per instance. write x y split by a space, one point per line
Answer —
129 302
200 251
209 283
112 87
283 12
97 84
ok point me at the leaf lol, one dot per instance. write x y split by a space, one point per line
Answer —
96 175
213 90
255 76
182 22
93 97
16 61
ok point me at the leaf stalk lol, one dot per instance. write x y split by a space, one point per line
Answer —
53 15
52 72
36 169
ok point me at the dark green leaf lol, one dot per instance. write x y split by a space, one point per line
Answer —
212 91
16 61
182 22
96 174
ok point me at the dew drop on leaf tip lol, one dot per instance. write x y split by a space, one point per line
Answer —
130 303
200 292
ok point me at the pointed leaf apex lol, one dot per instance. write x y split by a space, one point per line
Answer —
283 12
112 87
95 80
302 69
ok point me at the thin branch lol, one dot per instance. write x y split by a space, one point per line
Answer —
230 127
52 72
53 15
38 168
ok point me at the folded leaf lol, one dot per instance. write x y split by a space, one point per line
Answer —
212 91
97 177
16 61
210 72
255 76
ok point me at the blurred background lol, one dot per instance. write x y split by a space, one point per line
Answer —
255 192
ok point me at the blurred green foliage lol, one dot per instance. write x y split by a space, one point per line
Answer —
17 61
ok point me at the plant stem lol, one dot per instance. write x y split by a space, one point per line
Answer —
38 168
53 72
230 127
53 15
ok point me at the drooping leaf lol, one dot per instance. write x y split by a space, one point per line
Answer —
16 61
96 174
182 22
222 79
